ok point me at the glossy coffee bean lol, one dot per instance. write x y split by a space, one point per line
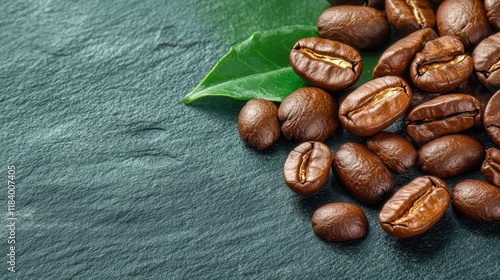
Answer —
258 124
415 208
492 8
375 105
486 57
441 65
394 150
308 114
377 4
491 119
445 114
358 26
339 222
477 200
325 63
450 155
396 59
491 166
408 16
362 173
465 19
307 166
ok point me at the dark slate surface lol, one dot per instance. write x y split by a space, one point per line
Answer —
117 179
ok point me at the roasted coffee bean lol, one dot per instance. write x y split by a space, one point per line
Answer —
362 173
492 8
377 4
358 26
491 166
415 208
465 19
407 16
308 114
394 150
450 155
258 124
375 105
307 166
339 221
491 119
486 57
326 64
397 58
441 65
445 114
477 200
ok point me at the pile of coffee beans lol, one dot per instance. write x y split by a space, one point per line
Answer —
440 77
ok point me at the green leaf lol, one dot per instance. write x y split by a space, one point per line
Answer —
258 67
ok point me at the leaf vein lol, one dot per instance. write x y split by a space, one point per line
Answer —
272 62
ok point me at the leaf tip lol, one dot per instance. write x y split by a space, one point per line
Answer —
187 100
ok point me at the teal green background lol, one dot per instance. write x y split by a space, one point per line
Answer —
118 179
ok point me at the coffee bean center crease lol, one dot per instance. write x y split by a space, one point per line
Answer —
414 208
336 61
434 65
384 94
416 12
304 164
493 164
493 67
469 114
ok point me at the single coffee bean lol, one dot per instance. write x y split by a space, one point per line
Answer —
477 200
377 4
408 16
394 150
362 173
375 105
415 208
465 19
307 166
441 65
339 222
397 58
358 26
258 124
486 57
492 8
491 119
308 114
450 155
491 166
445 114
325 63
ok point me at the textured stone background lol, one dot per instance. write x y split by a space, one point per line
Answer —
117 179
